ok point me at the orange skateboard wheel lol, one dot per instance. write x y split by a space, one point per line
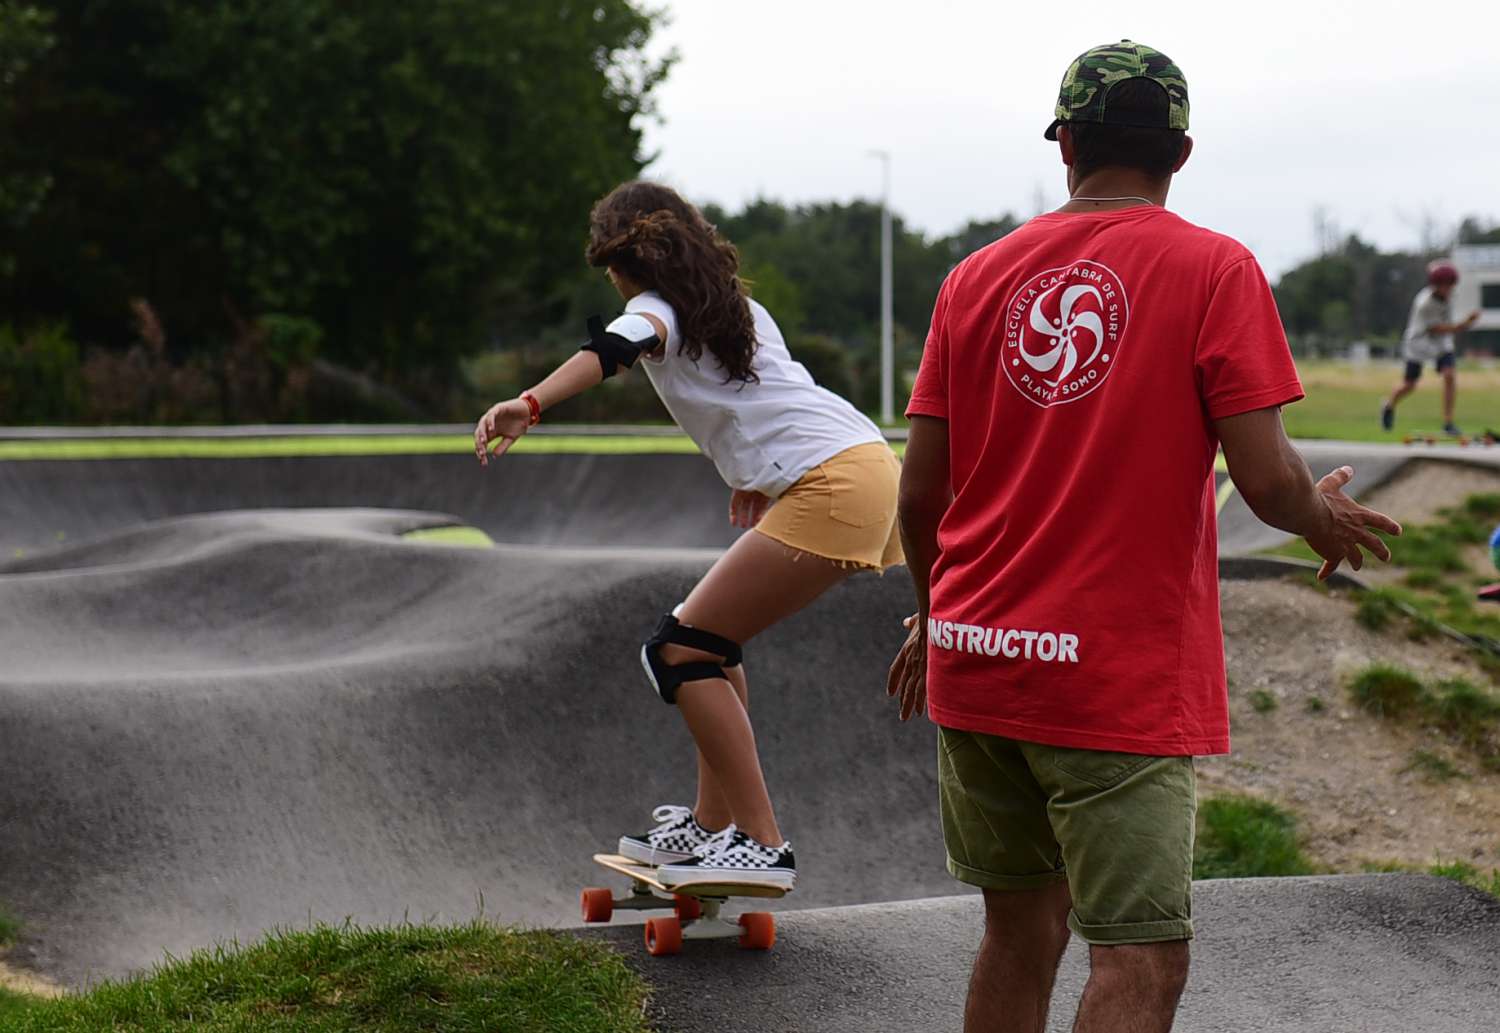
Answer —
759 930
597 904
687 908
663 936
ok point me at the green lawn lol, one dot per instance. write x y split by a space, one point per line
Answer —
1343 401
351 980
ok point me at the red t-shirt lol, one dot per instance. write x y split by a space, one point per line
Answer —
1080 362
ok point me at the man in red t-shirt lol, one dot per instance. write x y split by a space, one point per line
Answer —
1057 509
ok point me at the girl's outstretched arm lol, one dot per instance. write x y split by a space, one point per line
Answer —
507 421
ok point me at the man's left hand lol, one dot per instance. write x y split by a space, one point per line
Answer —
908 677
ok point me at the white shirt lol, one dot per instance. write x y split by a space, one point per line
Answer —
1418 344
763 436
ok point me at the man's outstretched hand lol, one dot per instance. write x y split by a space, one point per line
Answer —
1349 527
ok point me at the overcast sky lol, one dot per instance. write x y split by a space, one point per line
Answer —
1387 115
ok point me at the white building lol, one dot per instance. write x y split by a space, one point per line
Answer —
1478 284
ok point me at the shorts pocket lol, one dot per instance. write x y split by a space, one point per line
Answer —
863 491
1101 769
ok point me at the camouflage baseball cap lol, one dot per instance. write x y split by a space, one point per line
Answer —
1086 86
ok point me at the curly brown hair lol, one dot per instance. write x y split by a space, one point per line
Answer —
649 234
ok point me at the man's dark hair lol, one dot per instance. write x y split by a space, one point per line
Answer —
1149 150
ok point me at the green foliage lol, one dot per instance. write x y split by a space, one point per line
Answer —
1466 712
1241 837
10 928
827 361
1377 608
350 980
1466 873
401 175
1263 702
1353 291
1432 766
1386 690
1315 705
41 377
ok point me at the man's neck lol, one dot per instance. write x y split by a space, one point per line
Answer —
1115 188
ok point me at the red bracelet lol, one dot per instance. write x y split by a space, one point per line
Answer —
534 406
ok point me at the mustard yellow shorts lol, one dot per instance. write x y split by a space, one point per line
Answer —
843 510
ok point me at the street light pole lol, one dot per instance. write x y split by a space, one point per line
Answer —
887 344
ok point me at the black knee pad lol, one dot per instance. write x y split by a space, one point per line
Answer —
666 678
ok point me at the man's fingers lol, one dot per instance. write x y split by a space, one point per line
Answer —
1379 521
1354 556
1336 478
898 668
1372 542
1328 567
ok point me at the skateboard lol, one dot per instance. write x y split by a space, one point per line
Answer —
695 905
1430 437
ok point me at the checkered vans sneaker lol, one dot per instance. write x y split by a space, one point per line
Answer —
678 837
733 856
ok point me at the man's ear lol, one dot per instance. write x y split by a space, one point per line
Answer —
1187 150
1065 144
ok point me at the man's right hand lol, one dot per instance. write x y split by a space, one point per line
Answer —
1349 527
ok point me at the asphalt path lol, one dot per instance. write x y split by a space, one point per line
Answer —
1328 954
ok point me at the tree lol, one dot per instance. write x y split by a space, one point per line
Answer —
407 176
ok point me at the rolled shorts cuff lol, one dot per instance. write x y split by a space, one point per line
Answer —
1132 932
991 881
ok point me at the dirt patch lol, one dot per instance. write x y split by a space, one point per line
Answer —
1421 488
22 982
1345 773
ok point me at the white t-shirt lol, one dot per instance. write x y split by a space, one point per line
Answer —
763 436
1418 344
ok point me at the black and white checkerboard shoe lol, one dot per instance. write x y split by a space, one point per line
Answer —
678 837
733 856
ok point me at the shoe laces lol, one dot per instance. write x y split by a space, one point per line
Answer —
671 813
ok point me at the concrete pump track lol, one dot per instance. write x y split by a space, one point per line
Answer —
232 697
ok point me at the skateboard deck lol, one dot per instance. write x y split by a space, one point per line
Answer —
646 874
1431 437
695 907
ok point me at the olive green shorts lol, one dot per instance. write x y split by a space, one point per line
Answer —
1117 827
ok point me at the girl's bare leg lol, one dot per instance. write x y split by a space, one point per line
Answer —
752 586
712 808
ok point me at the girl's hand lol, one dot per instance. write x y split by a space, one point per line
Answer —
504 423
908 677
747 507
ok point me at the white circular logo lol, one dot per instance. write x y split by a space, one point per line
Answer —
1063 331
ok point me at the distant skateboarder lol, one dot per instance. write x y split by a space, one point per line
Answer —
812 477
1057 510
1429 338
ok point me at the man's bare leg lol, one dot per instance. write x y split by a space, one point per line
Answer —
1450 394
1133 988
1405 388
1025 933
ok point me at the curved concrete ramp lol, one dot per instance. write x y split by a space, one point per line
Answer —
591 500
219 724
1332 954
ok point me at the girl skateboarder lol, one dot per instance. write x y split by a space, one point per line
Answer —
809 475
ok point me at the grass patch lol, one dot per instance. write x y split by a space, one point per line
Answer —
459 537
1344 399
1315 705
1241 837
352 980
12 1007
1432 766
10 927
1386 690
1460 709
1458 871
1262 701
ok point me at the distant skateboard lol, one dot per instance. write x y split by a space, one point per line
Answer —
1431 437
696 905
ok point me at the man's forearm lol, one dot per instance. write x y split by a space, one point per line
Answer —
920 542
1290 502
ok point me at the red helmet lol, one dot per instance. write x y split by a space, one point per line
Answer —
1442 273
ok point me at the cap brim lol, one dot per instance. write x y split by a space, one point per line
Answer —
1051 133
